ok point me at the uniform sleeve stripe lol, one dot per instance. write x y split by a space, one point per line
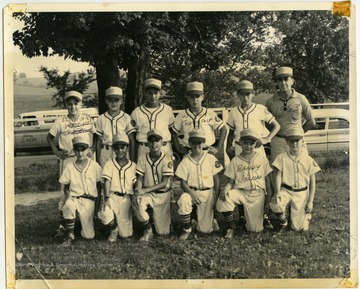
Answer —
106 177
271 119
230 126
220 126
139 172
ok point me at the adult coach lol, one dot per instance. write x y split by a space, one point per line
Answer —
290 109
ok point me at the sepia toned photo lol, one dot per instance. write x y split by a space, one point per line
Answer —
202 145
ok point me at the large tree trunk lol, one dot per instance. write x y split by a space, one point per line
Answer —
135 83
107 74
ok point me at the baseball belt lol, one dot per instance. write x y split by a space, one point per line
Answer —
293 189
200 189
86 197
120 194
280 136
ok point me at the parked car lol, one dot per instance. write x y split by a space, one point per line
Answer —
31 128
331 131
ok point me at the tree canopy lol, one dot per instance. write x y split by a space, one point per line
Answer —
218 48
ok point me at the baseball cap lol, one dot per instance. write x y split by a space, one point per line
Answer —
81 141
197 135
154 133
152 82
245 86
120 139
294 133
249 134
114 91
195 87
73 93
283 72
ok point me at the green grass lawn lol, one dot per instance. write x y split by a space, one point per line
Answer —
321 252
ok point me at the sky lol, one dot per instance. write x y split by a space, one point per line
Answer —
31 66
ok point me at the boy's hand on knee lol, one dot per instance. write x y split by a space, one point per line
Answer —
309 207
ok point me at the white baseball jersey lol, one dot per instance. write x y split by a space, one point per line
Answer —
122 178
66 129
199 174
248 175
161 118
107 126
153 171
254 118
207 120
82 181
296 172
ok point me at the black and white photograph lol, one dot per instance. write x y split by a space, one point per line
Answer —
180 145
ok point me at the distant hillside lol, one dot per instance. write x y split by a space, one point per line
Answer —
31 94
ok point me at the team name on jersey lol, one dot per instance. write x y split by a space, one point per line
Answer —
295 108
252 178
242 168
75 125
190 122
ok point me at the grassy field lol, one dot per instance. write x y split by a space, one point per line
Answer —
321 252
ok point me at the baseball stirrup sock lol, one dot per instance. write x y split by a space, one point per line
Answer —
61 219
229 219
281 217
185 221
145 225
113 224
69 224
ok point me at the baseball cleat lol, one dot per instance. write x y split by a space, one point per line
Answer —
113 235
60 232
148 234
184 235
229 234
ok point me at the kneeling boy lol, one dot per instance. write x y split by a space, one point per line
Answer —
248 184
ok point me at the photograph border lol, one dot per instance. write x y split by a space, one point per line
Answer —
213 283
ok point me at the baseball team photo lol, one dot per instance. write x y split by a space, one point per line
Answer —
181 145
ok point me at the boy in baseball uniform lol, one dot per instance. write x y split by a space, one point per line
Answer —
154 171
294 182
119 175
290 108
81 180
249 115
197 117
153 115
198 173
111 123
248 184
66 128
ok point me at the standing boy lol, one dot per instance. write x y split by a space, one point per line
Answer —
154 170
197 117
153 115
66 128
81 180
198 173
119 176
248 184
295 182
249 115
113 122
290 108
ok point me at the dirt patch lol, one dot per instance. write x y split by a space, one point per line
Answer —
29 199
